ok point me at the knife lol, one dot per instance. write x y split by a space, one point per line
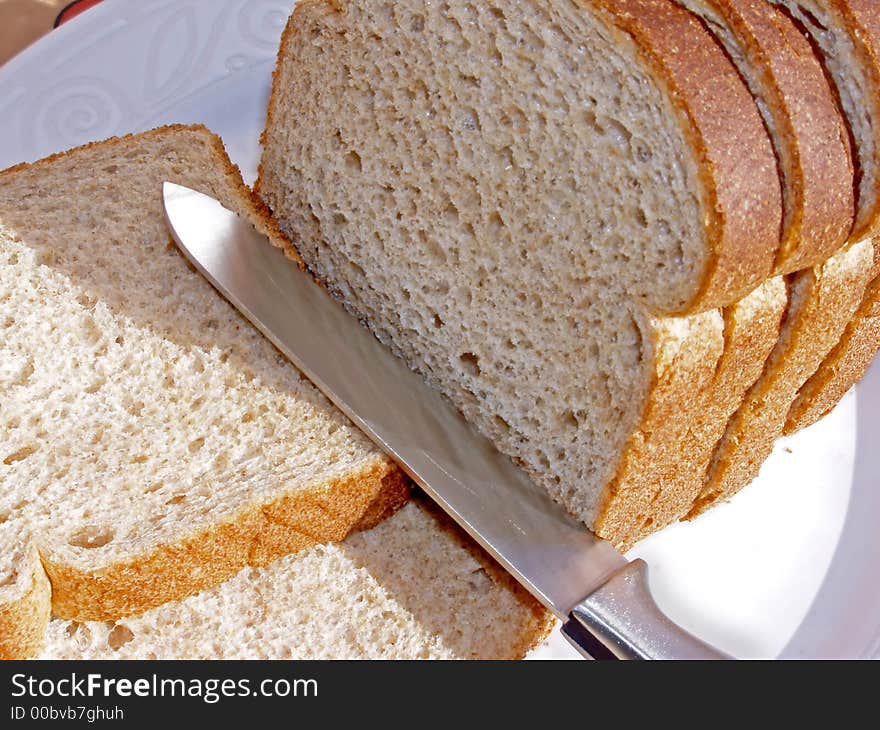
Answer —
602 599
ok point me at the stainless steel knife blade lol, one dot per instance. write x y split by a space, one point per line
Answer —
557 559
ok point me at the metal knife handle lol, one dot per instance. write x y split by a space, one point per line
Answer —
620 620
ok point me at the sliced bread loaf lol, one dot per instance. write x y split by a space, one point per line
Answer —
847 36
152 442
411 588
514 195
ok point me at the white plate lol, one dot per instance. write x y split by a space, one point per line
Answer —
789 567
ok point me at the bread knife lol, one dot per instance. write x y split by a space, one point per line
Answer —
603 600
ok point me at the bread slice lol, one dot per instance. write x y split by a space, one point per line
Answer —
152 442
504 202
411 588
821 302
847 35
796 102
845 365
809 135
675 477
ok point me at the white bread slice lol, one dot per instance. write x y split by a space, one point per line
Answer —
152 443
847 34
497 202
413 587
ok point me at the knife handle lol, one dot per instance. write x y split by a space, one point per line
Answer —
621 620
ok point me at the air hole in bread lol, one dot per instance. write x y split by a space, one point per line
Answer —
501 423
135 408
470 363
20 455
176 499
353 161
119 636
480 581
91 536
196 444
77 628
96 385
4 516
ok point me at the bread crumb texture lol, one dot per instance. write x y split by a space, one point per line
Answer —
152 443
410 588
537 206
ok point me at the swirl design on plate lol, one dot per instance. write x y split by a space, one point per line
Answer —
170 56
75 111
260 22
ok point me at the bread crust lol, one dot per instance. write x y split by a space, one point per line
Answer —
751 329
822 301
812 137
845 365
849 360
257 535
23 622
684 365
719 117
862 21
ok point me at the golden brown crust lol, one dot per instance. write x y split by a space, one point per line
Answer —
23 622
684 370
255 536
737 167
822 301
751 329
811 137
844 366
850 358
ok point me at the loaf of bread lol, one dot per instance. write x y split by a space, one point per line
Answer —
152 442
539 206
414 587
